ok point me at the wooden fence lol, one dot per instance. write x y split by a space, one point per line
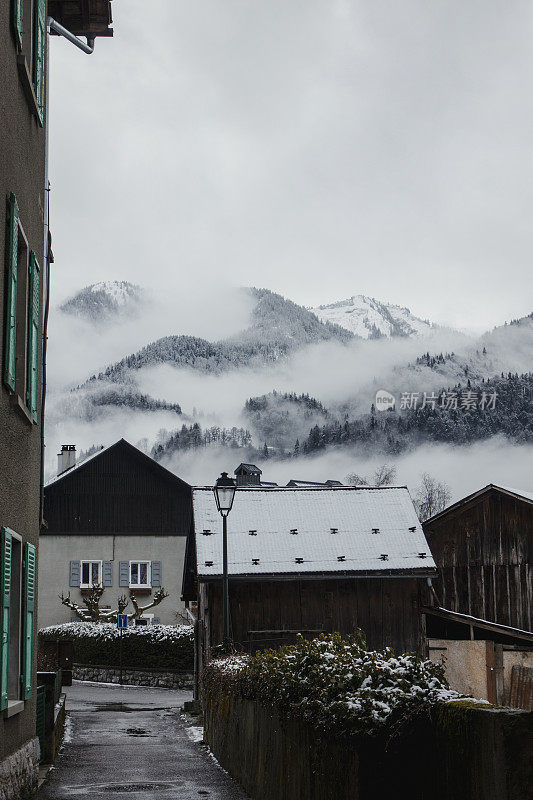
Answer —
522 688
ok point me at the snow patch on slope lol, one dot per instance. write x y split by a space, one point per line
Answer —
368 318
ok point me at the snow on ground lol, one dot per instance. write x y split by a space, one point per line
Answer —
195 733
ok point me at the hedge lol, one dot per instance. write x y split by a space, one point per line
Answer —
333 682
159 647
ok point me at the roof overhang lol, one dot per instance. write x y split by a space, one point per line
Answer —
305 576
83 17
483 624
472 498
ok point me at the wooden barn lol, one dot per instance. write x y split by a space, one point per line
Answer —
310 560
482 546
117 519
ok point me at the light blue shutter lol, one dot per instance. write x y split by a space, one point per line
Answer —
107 573
28 617
32 361
124 573
11 306
74 573
39 48
156 573
6 548
16 8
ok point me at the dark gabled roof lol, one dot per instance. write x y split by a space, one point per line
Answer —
295 482
247 469
128 449
526 497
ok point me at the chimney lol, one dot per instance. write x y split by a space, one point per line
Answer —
66 458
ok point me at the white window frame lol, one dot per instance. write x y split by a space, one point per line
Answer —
148 584
90 561
149 620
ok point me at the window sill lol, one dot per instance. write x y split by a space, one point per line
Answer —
14 707
27 85
141 589
17 402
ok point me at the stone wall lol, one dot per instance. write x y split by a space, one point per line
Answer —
19 772
134 677
457 752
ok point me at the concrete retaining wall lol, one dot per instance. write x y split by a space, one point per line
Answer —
458 752
133 677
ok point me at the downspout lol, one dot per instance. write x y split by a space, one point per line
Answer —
88 49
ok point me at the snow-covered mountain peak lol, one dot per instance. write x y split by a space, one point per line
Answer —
369 318
119 291
105 301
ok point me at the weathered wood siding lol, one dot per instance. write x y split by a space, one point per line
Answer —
483 554
119 492
264 612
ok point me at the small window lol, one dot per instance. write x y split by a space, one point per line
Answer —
91 574
140 577
144 620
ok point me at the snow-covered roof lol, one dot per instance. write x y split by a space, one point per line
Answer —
311 530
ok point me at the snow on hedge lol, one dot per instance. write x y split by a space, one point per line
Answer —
335 681
108 630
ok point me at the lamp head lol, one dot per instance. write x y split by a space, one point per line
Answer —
224 491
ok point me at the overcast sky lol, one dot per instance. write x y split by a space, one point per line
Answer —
320 148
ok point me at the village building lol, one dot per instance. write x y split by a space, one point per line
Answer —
250 475
481 617
117 519
25 255
483 547
308 561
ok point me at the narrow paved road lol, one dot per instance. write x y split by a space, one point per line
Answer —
131 742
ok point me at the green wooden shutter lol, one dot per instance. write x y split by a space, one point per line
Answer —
16 8
11 307
32 360
6 549
28 617
39 53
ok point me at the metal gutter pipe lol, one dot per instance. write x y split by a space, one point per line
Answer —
51 24
87 48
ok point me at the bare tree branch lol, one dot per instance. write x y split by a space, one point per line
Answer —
158 597
93 613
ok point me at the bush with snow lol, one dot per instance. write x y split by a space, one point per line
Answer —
147 646
334 682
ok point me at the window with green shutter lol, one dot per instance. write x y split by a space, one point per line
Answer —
32 358
28 617
39 53
6 549
16 11
10 336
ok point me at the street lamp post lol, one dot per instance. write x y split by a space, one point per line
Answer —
224 493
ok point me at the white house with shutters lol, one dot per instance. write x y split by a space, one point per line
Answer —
117 519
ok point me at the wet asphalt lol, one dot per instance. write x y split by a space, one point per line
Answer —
133 742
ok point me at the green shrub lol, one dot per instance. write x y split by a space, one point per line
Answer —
163 647
334 682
